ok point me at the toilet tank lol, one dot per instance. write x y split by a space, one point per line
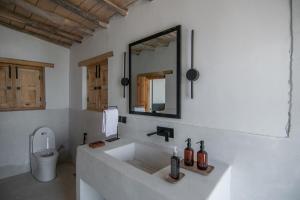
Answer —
42 139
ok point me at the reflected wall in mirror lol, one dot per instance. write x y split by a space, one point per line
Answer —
154 70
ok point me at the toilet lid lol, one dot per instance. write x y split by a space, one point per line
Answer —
42 139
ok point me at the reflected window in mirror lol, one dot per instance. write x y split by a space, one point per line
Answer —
154 65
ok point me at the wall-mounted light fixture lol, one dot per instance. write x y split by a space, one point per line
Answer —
124 80
192 74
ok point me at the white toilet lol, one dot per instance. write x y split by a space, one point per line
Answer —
43 155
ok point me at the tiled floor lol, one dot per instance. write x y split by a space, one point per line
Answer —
25 187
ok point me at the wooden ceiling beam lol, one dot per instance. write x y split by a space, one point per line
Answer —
36 35
53 17
5 13
148 45
162 42
78 11
120 10
157 75
48 34
142 47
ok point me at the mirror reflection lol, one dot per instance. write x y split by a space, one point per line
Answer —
153 64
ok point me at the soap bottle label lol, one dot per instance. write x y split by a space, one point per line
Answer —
189 157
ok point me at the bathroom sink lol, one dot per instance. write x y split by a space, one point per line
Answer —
141 156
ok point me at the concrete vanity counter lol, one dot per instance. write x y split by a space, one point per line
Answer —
101 176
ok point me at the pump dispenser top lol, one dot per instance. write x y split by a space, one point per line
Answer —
201 145
189 141
175 152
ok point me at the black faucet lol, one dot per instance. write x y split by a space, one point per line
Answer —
163 131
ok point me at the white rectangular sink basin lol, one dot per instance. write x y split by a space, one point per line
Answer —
143 157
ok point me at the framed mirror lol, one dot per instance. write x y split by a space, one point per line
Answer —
155 73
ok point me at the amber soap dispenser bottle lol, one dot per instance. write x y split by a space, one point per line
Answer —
202 159
189 154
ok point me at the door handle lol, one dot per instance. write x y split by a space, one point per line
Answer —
9 71
18 88
8 87
96 73
17 73
99 71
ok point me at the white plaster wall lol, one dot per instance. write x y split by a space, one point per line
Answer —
242 52
237 45
159 91
15 127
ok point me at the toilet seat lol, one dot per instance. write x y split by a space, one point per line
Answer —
46 153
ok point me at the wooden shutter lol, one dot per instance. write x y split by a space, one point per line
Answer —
143 86
22 84
103 93
7 99
92 92
29 87
97 86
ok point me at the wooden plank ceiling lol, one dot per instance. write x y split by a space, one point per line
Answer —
62 22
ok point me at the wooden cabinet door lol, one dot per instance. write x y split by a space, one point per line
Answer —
7 93
103 92
92 88
28 87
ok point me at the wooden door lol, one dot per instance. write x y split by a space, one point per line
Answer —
143 86
103 86
92 92
28 87
7 93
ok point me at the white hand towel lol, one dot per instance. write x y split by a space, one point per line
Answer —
110 122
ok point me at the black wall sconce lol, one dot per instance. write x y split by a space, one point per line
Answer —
124 80
192 74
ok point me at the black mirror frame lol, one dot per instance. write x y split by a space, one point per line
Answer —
178 86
